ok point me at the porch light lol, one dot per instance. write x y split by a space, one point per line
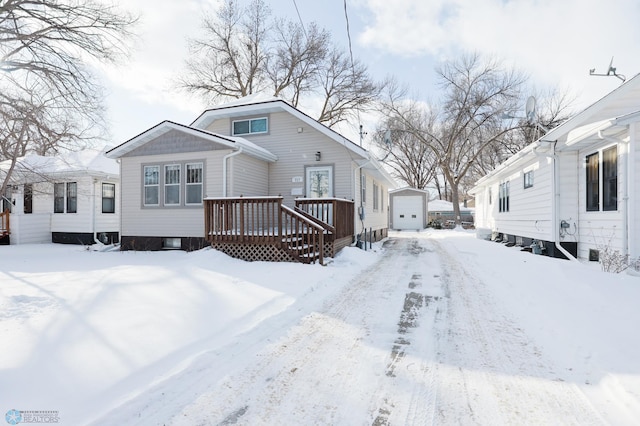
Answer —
318 156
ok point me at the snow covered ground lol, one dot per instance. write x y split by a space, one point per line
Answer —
436 327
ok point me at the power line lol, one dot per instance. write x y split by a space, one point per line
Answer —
300 19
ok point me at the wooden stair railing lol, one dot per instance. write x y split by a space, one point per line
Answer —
304 239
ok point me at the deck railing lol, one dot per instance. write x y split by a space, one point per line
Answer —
334 211
263 220
5 229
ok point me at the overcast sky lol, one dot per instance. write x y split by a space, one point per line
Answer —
555 42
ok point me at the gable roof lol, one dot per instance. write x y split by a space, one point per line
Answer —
611 113
260 104
159 129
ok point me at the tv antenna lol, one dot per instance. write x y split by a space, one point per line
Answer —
611 71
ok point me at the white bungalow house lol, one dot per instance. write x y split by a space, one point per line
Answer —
70 198
245 170
576 190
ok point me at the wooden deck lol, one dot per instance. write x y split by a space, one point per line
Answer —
264 229
5 229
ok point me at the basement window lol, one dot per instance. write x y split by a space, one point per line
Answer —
594 255
172 243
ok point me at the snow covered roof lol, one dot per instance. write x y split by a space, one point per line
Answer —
159 129
88 161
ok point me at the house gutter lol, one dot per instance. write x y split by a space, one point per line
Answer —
625 190
224 168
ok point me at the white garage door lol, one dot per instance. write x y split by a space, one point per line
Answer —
407 212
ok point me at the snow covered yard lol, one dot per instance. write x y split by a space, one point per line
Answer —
433 327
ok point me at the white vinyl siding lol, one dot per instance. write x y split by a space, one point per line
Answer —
187 221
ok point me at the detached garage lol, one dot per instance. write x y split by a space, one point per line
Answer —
408 209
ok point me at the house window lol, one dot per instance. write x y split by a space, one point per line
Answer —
151 185
528 179
28 198
503 197
602 178
65 195
593 182
254 125
58 197
319 182
72 197
375 196
363 186
172 185
610 179
194 183
108 198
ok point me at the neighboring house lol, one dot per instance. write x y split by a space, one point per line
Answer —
441 214
576 190
70 198
408 209
179 179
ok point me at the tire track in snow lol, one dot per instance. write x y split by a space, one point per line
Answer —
490 372
303 378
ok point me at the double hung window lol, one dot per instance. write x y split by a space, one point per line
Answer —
602 180
65 197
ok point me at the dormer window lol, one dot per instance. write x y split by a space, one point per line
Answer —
250 126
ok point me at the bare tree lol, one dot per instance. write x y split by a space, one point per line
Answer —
409 160
243 52
476 93
49 100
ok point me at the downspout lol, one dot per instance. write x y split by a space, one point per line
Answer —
93 211
554 205
224 169
358 169
625 190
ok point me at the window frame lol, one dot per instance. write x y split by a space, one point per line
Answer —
528 179
610 179
162 184
375 196
110 199
601 180
148 186
28 198
65 197
172 185
250 126
188 185
592 182
503 197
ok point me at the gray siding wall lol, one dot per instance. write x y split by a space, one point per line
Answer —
170 221
295 151
249 177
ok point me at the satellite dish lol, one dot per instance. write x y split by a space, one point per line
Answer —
387 138
530 108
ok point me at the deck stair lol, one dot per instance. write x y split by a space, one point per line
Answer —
264 229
